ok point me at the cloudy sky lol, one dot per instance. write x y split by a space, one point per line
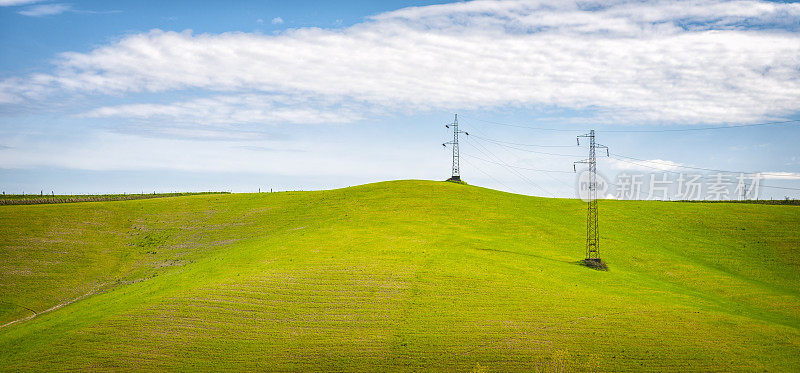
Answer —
99 96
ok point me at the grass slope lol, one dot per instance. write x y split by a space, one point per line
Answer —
402 275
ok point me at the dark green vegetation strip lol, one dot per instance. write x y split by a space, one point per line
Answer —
787 201
407 275
28 199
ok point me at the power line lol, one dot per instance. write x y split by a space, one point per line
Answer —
518 167
710 127
619 156
521 126
569 186
777 187
490 176
521 144
509 167
706 169
528 150
517 146
691 167
543 171
643 130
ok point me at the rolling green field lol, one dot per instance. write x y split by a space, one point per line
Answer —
405 275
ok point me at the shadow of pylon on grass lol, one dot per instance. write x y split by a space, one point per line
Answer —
457 180
594 263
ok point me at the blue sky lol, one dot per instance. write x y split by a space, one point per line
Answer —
106 97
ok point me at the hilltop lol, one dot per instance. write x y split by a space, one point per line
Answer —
404 275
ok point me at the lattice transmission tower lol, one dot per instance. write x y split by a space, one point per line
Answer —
456 174
592 235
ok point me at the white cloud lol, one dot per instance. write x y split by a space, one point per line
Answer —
237 109
45 10
17 2
277 21
628 62
645 165
780 175
654 165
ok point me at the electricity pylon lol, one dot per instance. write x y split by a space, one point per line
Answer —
456 175
592 235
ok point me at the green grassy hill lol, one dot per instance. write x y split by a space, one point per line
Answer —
404 275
